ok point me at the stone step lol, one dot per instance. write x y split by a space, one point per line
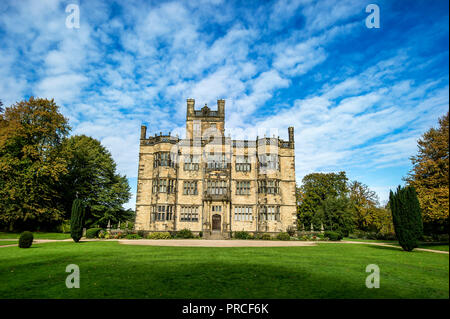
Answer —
215 235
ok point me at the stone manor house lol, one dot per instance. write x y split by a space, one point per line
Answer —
212 184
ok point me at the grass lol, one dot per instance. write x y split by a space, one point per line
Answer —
435 246
8 242
427 245
370 240
37 235
112 270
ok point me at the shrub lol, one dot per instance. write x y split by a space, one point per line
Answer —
141 233
65 227
77 220
200 234
304 237
185 233
406 216
283 236
161 235
291 231
26 239
266 237
133 236
333 235
241 235
93 232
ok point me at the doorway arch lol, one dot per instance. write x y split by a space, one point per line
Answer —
216 221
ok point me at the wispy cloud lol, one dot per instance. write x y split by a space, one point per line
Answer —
358 98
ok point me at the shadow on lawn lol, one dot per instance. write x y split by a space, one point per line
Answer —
399 248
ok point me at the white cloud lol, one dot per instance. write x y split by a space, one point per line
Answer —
117 72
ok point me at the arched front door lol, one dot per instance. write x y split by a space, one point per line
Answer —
216 222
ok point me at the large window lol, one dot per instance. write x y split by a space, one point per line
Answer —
268 161
164 159
216 208
216 187
191 162
217 161
243 187
189 214
269 213
162 212
270 186
163 185
243 164
243 213
190 188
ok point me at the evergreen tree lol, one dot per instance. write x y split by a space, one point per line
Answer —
77 220
406 216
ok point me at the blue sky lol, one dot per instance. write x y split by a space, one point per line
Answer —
358 98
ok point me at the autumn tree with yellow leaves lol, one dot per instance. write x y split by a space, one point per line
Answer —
430 176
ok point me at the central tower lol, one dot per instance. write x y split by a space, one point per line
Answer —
201 122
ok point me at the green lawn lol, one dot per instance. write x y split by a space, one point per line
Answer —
37 235
443 247
427 245
370 240
8 242
112 270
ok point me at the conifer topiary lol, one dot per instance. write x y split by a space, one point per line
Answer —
77 220
26 239
406 217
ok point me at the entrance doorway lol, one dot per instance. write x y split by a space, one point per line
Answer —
216 220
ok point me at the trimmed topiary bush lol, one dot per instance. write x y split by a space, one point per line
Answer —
185 233
406 217
241 235
333 235
93 232
26 239
283 236
77 220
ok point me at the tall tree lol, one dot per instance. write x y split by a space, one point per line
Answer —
77 220
31 133
315 189
406 216
430 175
365 202
92 177
336 214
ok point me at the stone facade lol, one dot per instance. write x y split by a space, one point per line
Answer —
211 184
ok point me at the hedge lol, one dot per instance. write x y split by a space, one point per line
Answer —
93 232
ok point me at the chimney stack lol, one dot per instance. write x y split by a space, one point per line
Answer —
143 132
291 136
190 107
221 107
